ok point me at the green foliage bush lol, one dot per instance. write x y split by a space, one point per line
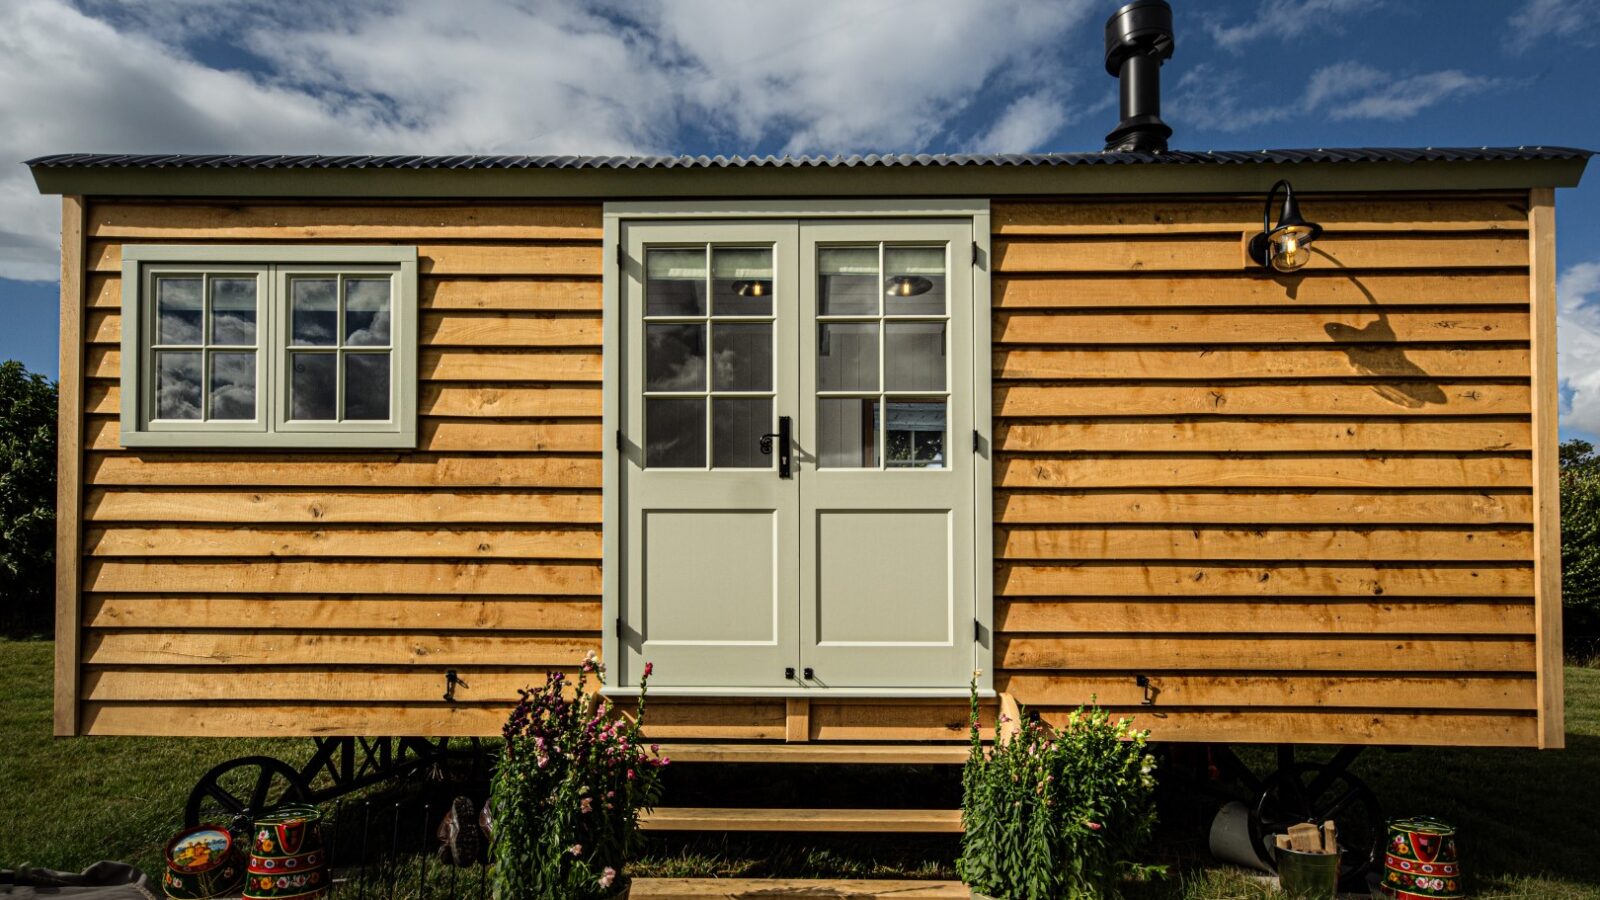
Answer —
1580 535
567 791
1056 813
27 499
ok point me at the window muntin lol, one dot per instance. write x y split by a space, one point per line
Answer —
202 355
338 357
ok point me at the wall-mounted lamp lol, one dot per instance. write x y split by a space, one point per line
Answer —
1286 246
756 288
908 286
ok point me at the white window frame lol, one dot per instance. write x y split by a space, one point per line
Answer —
273 266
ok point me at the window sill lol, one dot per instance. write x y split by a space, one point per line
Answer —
281 440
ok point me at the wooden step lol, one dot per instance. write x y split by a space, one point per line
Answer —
685 818
793 889
844 754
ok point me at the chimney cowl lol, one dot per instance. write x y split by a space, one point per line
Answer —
1139 39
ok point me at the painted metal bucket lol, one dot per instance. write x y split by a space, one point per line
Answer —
287 856
1420 862
203 862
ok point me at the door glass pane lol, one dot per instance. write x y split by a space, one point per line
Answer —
847 433
913 280
675 357
847 281
675 433
847 356
916 434
366 386
313 312
914 356
741 281
313 386
737 424
366 312
178 384
178 306
741 356
675 282
233 312
233 386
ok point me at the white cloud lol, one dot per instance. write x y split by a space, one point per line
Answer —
1578 345
1536 20
506 76
1284 20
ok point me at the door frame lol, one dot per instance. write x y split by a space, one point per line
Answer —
617 266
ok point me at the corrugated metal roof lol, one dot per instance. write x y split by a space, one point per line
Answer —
1175 157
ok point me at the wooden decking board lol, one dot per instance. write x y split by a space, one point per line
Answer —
919 821
793 889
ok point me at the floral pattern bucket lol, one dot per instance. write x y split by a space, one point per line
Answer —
1420 863
203 862
287 858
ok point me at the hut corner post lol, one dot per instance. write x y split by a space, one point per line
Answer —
69 467
1546 486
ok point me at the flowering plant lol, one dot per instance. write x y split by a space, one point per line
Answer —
567 791
1055 812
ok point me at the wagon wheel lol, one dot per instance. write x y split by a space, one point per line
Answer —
236 791
1315 793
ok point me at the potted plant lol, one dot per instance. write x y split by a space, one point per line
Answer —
1054 813
567 791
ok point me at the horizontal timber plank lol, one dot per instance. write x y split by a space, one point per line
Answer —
519 401
1257 289
542 294
458 329
1367 727
381 222
794 889
1203 435
1214 363
345 613
376 684
1264 508
1190 471
1114 579
1146 615
1497 213
509 365
1265 652
1091 542
1377 691
889 720
105 292
1225 252
1258 326
1399 398
352 577
353 542
580 259
303 648
680 818
330 507
409 469
436 435
240 719
813 753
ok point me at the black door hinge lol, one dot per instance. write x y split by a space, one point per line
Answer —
976 261
622 255
977 441
788 673
619 626
619 439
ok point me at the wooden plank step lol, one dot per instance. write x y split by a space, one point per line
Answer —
844 754
793 889
685 818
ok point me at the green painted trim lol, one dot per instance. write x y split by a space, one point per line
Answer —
983 458
841 181
613 518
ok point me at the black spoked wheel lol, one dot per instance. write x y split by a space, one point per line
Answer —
1314 793
236 791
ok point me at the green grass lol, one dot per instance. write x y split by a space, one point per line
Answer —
1527 818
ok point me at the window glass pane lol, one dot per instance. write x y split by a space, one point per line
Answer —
233 312
742 356
366 312
675 357
848 279
313 386
313 312
737 424
914 356
233 386
741 281
178 309
178 385
675 282
675 434
916 434
847 356
366 386
913 280
847 433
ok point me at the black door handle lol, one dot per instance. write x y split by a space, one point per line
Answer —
785 454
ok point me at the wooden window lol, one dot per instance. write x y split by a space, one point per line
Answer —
284 347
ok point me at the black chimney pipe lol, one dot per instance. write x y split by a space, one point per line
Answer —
1138 41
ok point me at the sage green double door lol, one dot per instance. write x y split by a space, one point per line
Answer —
853 569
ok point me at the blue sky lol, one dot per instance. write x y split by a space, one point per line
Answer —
812 76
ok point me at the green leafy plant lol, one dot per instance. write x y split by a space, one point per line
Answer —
1056 812
1580 536
567 791
27 499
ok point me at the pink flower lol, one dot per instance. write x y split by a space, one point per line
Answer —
608 876
630 775
576 849
648 669
1094 826
586 805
